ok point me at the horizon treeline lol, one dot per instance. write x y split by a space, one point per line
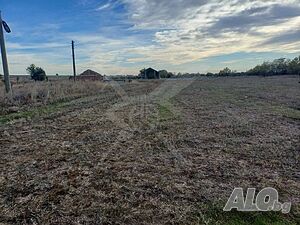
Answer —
282 66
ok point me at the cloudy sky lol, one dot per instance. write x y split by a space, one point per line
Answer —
124 36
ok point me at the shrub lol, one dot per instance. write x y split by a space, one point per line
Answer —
36 73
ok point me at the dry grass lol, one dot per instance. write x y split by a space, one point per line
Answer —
156 154
37 93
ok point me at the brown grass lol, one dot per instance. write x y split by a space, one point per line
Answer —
156 154
36 93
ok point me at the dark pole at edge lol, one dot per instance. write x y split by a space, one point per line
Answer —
4 59
74 63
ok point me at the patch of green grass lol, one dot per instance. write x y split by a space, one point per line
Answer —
286 112
215 215
167 111
164 113
38 111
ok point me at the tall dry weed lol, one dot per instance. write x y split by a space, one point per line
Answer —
47 92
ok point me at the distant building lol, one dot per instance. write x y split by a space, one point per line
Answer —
150 74
90 75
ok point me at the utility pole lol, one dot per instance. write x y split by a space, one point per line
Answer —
4 57
74 63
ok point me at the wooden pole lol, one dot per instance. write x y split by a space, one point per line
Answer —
74 63
4 59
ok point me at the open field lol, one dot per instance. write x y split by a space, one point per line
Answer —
155 152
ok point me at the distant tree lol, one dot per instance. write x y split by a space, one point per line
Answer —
294 66
170 75
142 73
280 66
209 74
225 72
163 74
36 73
57 74
264 69
31 69
18 79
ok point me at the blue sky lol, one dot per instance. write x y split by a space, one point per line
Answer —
123 36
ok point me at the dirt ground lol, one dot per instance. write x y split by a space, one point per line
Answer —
153 152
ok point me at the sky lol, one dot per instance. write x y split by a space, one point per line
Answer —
123 36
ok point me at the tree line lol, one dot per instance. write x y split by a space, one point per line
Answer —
280 66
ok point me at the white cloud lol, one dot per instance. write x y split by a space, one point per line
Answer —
183 31
93 51
102 7
190 30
